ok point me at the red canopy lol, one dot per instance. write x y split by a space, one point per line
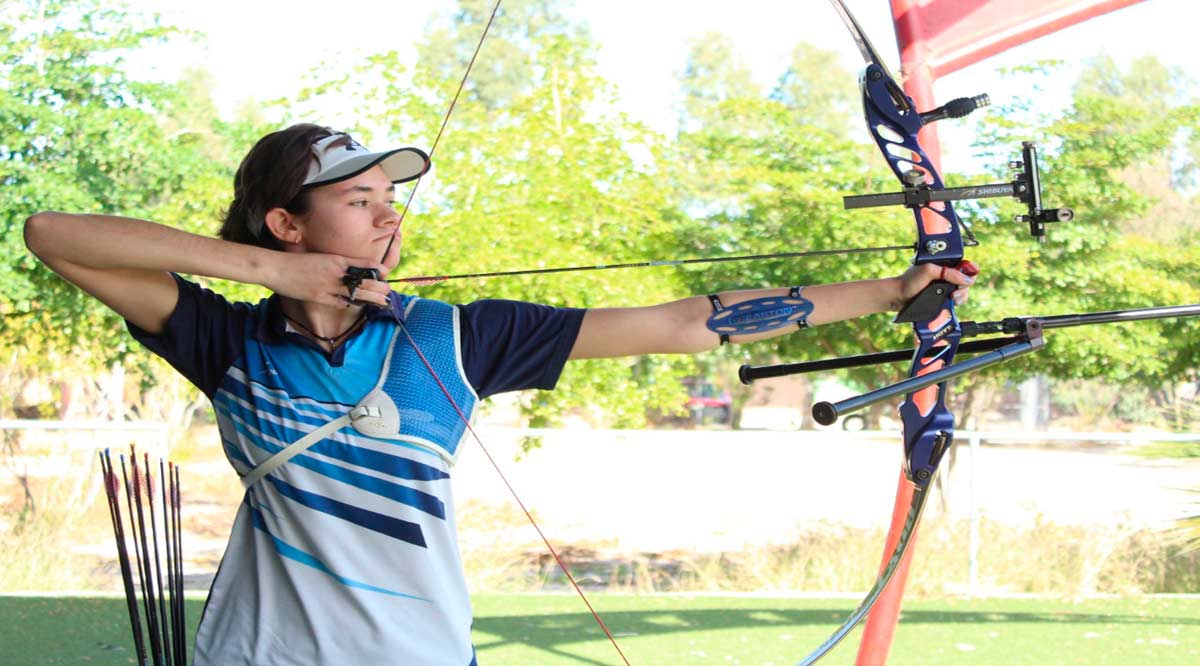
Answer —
955 33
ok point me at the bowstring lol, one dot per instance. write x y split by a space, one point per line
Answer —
433 373
474 435
441 130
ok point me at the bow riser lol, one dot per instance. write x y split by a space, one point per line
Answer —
894 124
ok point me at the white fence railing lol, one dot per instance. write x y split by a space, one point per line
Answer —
1014 481
695 453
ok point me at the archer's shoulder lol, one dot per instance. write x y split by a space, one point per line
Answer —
518 317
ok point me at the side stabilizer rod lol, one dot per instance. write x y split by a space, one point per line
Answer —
827 413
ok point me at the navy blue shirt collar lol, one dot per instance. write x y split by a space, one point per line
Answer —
273 329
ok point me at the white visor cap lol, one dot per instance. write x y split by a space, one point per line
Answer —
334 161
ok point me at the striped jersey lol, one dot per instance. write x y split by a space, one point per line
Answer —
347 553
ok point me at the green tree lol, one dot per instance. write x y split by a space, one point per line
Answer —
535 169
767 174
508 62
1155 112
819 91
1116 254
713 73
77 133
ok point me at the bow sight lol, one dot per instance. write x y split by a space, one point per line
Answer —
918 195
1025 187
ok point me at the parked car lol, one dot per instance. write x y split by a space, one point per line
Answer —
708 404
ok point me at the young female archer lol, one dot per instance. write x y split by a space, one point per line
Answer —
342 405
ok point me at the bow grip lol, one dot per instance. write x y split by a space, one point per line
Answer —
932 299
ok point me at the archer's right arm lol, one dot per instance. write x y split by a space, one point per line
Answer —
126 263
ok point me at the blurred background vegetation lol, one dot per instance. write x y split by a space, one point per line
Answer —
539 169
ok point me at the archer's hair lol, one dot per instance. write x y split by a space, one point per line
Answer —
271 176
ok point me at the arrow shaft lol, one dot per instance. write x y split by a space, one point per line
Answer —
659 262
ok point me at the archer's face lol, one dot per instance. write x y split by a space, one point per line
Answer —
354 218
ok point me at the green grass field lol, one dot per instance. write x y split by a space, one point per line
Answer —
673 630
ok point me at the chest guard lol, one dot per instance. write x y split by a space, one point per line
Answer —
407 403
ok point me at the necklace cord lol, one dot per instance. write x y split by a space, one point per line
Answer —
328 340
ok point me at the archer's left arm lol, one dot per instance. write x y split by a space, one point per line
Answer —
680 327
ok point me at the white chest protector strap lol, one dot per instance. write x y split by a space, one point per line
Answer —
375 416
292 450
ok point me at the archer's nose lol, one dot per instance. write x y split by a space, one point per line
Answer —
388 216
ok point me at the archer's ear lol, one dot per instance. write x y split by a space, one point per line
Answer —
284 226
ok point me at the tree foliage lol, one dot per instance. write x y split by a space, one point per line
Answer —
772 171
78 134
1120 251
537 168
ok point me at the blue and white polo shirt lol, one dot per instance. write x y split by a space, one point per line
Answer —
347 553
